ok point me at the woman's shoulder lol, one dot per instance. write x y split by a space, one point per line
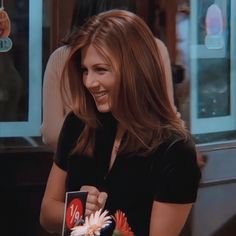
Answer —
60 53
163 49
179 140
176 173
62 50
160 43
177 149
71 129
56 63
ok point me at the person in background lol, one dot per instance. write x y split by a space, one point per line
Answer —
54 108
122 142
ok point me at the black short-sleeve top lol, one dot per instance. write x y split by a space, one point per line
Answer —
170 174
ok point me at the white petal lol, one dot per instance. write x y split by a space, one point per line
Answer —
79 230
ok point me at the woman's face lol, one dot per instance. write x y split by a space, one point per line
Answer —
98 77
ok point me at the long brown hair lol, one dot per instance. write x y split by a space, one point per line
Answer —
140 101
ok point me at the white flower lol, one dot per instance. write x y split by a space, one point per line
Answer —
79 230
93 224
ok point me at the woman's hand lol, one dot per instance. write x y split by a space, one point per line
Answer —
95 199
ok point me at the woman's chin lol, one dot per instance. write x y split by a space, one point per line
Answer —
103 108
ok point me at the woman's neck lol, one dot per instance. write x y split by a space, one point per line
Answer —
119 134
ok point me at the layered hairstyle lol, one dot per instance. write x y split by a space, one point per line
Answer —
140 101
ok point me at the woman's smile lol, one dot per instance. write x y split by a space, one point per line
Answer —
100 97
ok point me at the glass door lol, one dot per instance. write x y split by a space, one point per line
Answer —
21 71
212 68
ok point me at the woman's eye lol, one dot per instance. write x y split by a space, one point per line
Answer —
84 70
101 70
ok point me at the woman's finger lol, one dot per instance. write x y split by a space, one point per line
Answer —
92 199
102 197
90 189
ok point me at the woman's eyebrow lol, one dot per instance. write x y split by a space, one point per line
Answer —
96 65
101 64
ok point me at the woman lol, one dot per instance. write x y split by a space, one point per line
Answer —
122 143
54 109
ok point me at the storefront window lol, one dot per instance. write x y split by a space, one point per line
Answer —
211 69
21 70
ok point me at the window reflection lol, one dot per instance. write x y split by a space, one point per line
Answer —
213 70
10 88
14 65
21 71
214 87
206 49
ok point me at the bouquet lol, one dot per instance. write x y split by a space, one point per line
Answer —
101 224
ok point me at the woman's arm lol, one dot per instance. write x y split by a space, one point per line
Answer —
52 208
167 69
168 219
176 178
53 107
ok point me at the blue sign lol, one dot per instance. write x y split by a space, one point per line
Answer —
5 44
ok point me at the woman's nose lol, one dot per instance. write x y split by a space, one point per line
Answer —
90 80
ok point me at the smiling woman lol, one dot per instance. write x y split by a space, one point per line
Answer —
123 142
55 108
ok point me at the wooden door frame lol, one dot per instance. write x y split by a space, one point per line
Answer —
61 14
